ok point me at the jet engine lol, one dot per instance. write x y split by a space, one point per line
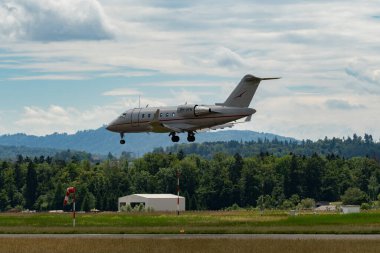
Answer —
201 110
192 110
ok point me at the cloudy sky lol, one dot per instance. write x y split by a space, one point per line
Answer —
69 65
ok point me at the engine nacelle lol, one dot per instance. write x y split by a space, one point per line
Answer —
201 110
192 110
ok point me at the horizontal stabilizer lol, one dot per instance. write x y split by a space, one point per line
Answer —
270 78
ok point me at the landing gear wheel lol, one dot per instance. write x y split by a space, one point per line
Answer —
175 138
190 137
122 141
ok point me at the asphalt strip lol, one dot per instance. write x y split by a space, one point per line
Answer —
204 236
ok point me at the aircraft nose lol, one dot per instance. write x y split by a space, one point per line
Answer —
111 126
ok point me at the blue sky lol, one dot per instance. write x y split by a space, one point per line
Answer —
69 65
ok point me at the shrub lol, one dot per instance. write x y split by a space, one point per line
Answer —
354 196
126 208
365 206
295 199
287 204
307 203
234 207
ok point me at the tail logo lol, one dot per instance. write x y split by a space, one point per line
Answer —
241 94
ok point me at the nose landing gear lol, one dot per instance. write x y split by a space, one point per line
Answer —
122 141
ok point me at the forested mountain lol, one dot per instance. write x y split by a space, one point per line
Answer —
215 183
346 147
101 141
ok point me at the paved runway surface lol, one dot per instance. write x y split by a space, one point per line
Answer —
201 236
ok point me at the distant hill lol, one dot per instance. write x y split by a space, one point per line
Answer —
13 151
101 141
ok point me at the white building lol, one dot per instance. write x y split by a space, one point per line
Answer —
159 202
350 209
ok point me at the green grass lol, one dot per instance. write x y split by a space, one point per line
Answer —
96 245
192 222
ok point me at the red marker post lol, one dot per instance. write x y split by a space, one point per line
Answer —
70 190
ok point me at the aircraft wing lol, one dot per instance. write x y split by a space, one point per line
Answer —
179 127
173 127
228 125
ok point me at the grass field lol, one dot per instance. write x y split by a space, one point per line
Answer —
192 222
40 245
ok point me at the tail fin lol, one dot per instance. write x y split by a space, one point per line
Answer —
242 95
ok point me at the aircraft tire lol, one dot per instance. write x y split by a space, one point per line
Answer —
175 138
122 141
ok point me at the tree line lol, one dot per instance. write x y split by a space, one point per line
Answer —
344 147
216 183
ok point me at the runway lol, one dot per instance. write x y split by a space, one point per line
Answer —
204 236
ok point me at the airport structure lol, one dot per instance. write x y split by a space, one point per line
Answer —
350 209
158 202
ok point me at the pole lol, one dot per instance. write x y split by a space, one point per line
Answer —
177 192
74 210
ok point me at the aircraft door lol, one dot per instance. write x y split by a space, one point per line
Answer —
135 117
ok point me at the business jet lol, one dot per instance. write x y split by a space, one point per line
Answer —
190 118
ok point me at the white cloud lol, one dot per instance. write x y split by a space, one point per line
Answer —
367 71
49 77
41 121
339 104
122 92
53 20
308 117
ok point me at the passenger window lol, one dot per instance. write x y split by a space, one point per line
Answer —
148 115
160 115
173 114
167 114
142 116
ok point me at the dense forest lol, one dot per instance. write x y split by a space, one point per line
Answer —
345 147
207 183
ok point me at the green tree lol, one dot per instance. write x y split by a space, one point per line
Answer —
354 196
373 187
18 176
57 202
31 186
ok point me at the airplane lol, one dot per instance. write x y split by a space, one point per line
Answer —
190 117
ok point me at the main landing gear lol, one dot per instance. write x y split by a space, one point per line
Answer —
175 138
122 141
190 136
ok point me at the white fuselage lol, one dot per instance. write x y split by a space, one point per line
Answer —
140 119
